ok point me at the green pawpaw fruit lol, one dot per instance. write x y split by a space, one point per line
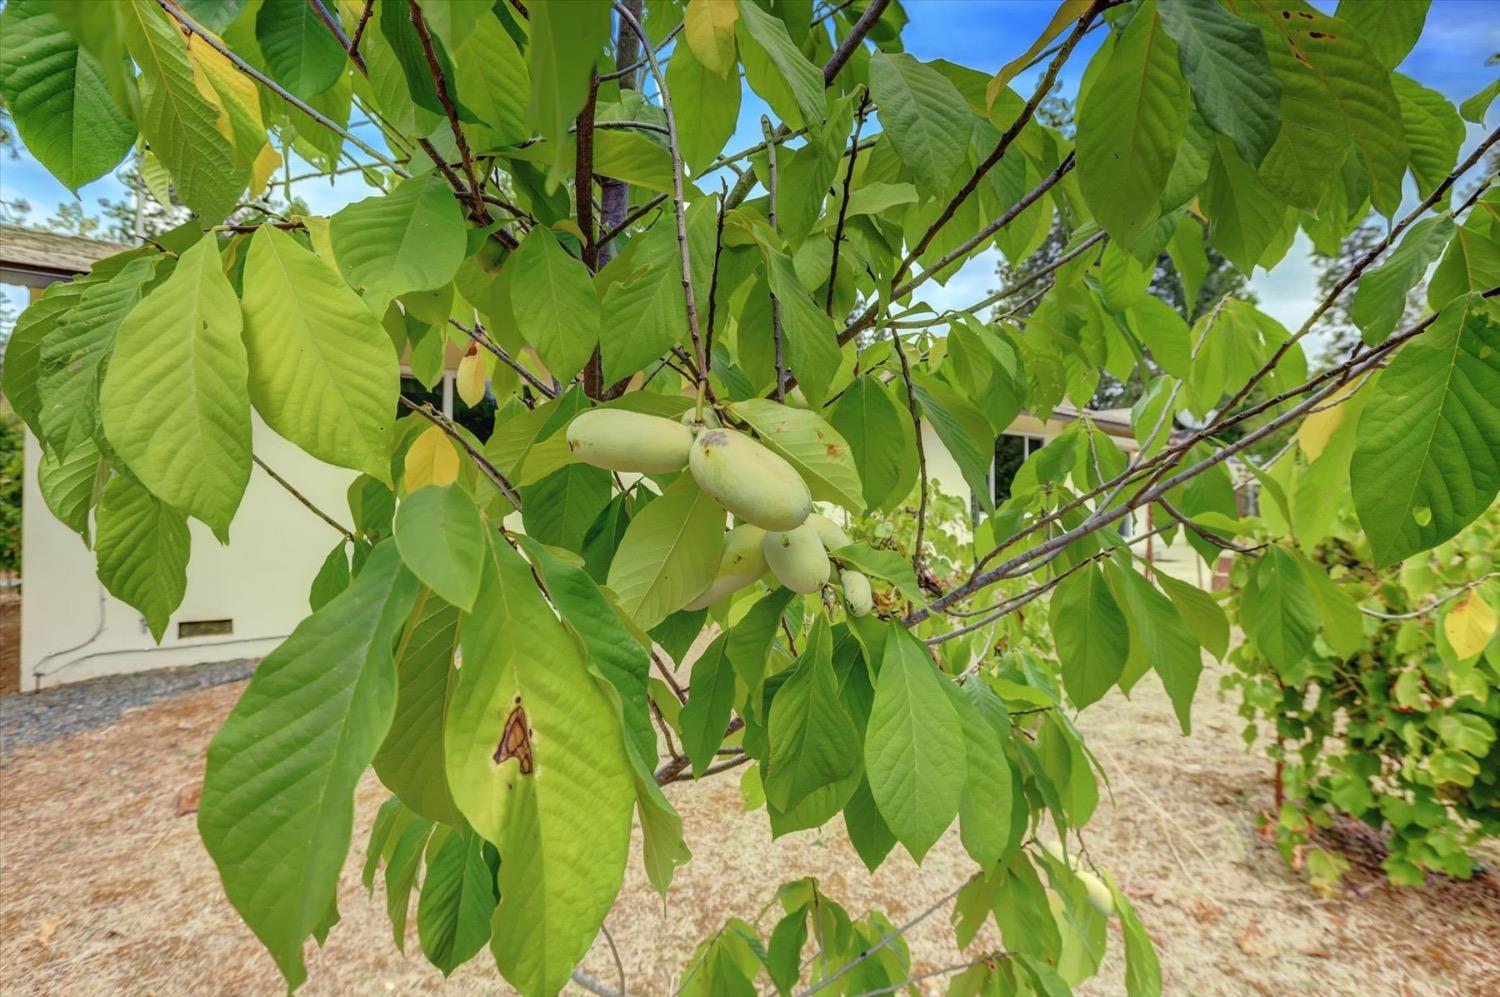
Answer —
797 558
749 480
856 593
742 562
1099 896
832 535
617 440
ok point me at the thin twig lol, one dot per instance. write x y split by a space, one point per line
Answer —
440 81
583 174
679 203
870 952
916 421
485 465
838 229
1434 604
1043 87
347 534
771 182
337 30
619 966
479 336
359 32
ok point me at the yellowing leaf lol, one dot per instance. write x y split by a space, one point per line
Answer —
431 460
1469 625
263 169
1318 428
709 28
473 371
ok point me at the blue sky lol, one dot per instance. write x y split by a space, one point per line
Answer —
981 34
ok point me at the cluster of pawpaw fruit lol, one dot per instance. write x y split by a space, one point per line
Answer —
777 531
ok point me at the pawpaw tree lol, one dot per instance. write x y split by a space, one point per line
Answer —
712 366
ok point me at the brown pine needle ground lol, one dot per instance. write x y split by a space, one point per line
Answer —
104 889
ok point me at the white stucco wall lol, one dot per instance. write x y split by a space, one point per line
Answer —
71 629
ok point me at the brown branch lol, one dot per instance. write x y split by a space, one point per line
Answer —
1331 382
482 462
838 229
479 336
713 278
1043 87
916 421
439 80
679 204
583 173
337 30
307 502
359 33
853 39
771 188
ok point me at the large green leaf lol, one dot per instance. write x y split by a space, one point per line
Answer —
72 355
440 535
1129 125
300 52
174 402
1092 638
965 432
1353 94
143 547
1245 217
615 653
1472 263
924 117
914 747
178 119
1277 611
410 761
776 69
881 439
322 370
812 744
278 793
821 456
705 716
1390 29
567 37
810 336
984 810
560 508
71 486
58 97
411 239
1427 453
1158 640
669 553
538 766
706 105
554 302
20 375
1380 296
491 71
457 900
1434 132
647 317
1224 61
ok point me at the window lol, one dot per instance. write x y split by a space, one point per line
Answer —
479 420
1010 453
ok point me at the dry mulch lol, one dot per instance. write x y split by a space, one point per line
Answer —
105 889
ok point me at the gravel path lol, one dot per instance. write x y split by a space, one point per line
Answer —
39 717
